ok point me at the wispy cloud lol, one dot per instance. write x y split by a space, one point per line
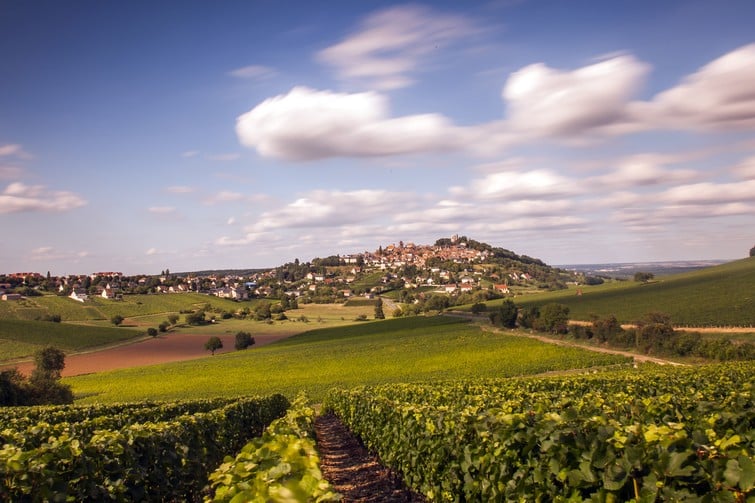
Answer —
253 72
391 45
14 150
18 197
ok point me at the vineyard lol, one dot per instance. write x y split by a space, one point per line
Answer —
125 452
658 434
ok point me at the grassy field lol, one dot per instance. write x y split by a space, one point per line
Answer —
20 338
717 296
97 308
400 350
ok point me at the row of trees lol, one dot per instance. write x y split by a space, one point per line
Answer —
43 387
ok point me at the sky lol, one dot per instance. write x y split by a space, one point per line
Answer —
191 135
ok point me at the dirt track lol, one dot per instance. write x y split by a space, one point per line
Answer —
161 349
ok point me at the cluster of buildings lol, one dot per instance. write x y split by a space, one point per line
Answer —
447 268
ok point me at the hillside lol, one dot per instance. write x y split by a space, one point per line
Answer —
401 350
21 338
716 296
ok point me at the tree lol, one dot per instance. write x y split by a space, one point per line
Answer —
152 332
50 362
379 314
116 320
173 319
243 340
163 327
752 251
554 318
213 344
643 277
505 315
44 385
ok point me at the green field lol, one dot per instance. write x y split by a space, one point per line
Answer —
97 308
400 350
19 338
717 296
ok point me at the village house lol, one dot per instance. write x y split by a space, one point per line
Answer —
79 295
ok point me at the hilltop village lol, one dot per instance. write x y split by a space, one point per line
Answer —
453 267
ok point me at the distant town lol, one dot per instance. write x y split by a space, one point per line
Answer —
452 266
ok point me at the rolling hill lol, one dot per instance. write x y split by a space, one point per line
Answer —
723 295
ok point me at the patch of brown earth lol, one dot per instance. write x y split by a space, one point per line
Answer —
354 473
161 349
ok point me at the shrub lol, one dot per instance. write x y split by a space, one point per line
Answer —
243 340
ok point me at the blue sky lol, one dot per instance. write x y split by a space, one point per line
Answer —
140 136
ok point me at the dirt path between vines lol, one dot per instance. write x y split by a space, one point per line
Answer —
352 471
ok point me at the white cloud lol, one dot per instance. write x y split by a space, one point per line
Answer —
190 153
151 251
18 197
644 170
253 72
392 44
719 96
515 185
710 193
332 208
306 124
543 101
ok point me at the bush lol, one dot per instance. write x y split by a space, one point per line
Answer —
163 327
152 332
243 340
195 318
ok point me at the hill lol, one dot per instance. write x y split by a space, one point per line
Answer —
723 295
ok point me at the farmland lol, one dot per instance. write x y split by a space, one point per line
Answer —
717 296
408 349
21 338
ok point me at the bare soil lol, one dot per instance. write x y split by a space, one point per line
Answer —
353 472
161 349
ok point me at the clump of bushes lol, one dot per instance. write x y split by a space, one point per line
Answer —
43 387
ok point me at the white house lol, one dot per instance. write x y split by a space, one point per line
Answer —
79 295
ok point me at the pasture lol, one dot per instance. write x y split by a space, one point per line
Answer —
400 350
19 338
